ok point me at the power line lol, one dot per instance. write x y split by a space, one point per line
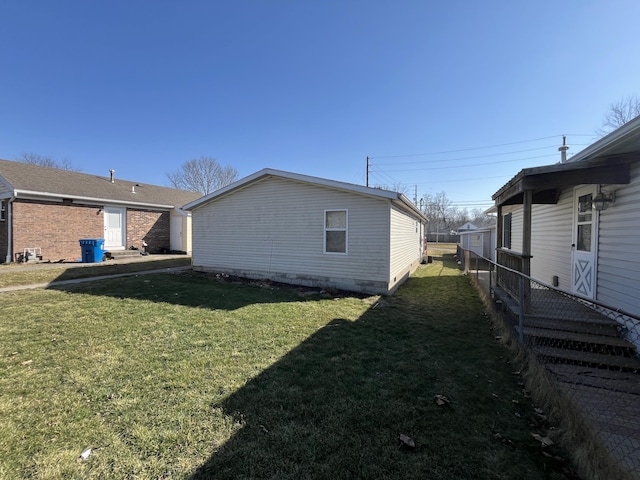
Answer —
469 165
479 148
476 156
465 158
465 149
458 180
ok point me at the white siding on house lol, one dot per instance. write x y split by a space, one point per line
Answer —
405 245
5 191
618 281
551 230
274 227
516 226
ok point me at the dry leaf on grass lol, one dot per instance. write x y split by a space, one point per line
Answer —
545 441
441 400
554 457
407 440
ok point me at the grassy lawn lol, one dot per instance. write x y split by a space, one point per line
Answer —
186 376
439 249
14 274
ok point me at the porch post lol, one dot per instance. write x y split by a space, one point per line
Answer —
498 255
499 228
526 232
525 285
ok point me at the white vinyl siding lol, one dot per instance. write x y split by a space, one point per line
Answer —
551 228
405 245
516 226
618 278
276 226
5 191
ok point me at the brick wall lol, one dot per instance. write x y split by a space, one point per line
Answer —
54 227
57 228
148 226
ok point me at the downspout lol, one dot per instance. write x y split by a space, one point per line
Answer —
9 258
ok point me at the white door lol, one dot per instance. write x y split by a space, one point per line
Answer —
585 242
114 225
176 233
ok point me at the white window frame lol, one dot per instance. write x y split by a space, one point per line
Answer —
345 230
3 210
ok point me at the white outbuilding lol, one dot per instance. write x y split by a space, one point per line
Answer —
310 231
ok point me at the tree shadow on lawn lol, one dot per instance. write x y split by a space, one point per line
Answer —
336 405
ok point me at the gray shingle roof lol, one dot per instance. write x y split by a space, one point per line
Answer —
56 183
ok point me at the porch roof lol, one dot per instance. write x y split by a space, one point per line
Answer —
606 161
546 181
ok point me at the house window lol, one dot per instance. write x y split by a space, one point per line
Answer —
335 231
3 210
506 231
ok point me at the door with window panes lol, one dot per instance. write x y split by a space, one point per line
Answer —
585 241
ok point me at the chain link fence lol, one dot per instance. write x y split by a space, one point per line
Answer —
586 349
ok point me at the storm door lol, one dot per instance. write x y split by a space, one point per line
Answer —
585 242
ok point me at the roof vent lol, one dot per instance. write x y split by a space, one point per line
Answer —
133 189
113 178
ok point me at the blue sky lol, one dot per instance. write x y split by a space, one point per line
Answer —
315 87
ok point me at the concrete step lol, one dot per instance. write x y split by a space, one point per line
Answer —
584 342
587 359
602 326
117 254
616 381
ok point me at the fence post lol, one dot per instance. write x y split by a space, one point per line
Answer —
521 308
491 267
477 271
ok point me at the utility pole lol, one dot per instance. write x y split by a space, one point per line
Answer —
563 150
367 170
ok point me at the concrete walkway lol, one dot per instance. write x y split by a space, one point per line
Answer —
123 261
91 279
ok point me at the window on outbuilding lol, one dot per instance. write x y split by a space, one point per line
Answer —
506 231
335 231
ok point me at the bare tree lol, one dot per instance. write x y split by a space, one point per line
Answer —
395 187
619 113
481 219
203 175
46 161
438 209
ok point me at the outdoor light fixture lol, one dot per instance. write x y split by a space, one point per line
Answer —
602 200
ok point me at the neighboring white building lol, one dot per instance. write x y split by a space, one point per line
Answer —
309 231
480 240
467 227
577 224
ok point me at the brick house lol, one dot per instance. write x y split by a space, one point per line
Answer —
51 210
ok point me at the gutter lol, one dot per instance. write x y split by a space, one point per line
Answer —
100 201
407 203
